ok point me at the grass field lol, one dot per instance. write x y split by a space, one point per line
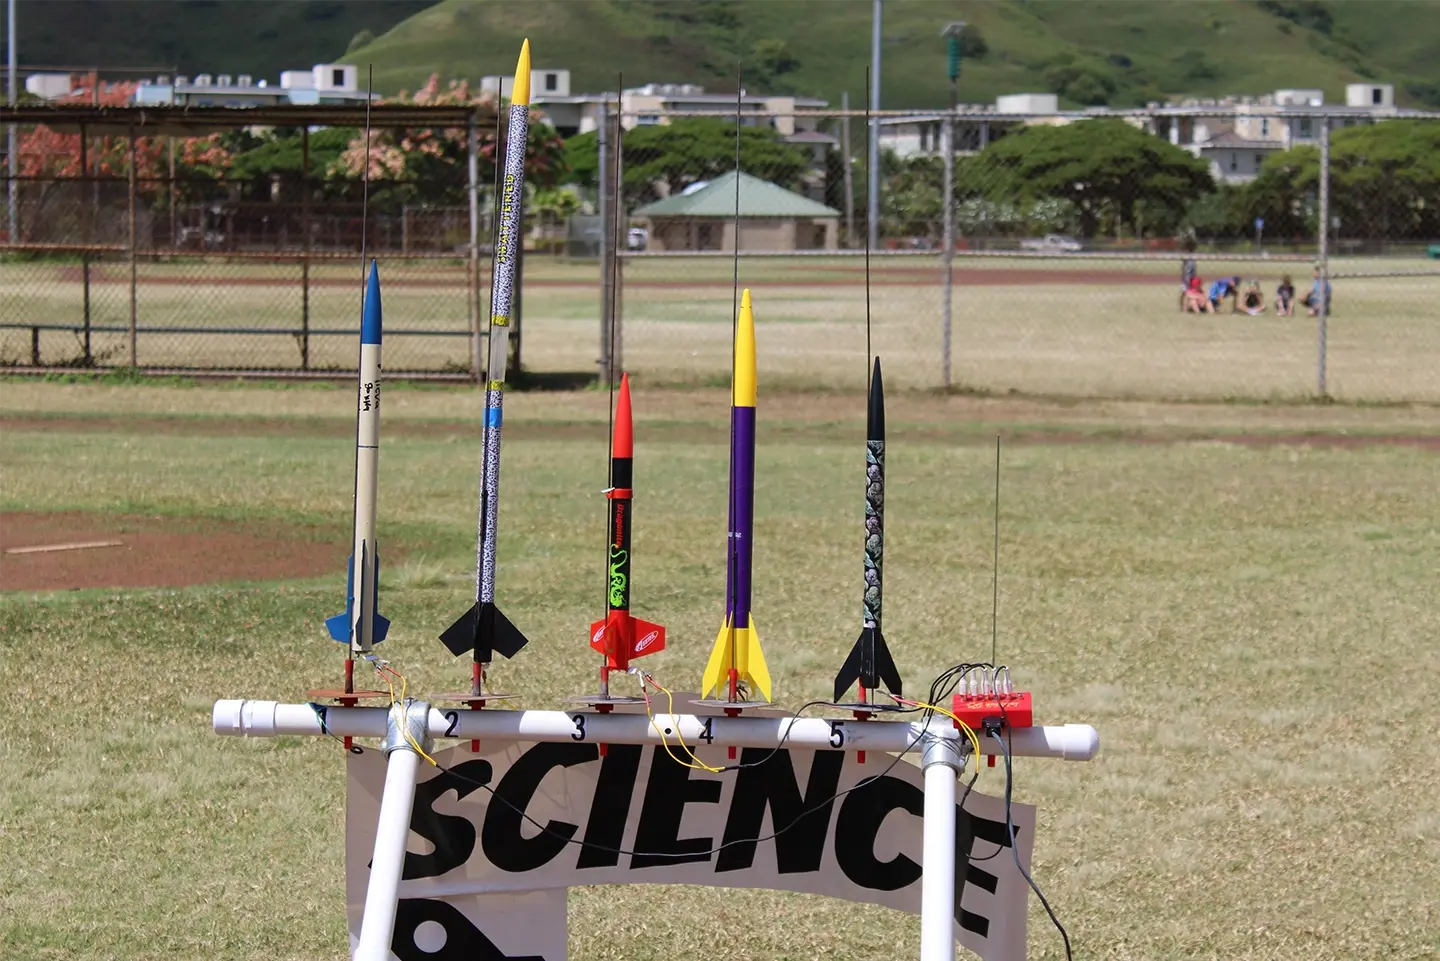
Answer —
1073 327
1247 616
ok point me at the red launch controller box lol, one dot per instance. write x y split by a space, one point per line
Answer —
1011 710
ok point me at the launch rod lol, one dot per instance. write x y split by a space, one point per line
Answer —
242 718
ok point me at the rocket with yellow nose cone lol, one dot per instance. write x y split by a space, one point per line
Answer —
736 659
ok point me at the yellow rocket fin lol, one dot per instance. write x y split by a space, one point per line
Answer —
742 646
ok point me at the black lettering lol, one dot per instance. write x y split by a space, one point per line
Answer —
861 814
463 941
614 789
669 789
453 836
502 834
968 828
454 718
774 785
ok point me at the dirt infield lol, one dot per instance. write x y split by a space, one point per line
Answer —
153 552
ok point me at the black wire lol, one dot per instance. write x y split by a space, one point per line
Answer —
995 564
610 367
732 546
868 352
1010 827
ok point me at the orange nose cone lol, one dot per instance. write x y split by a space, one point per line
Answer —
623 442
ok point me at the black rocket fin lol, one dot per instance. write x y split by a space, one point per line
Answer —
869 663
885 664
484 630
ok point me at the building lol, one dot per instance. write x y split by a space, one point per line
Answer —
324 83
1233 135
703 217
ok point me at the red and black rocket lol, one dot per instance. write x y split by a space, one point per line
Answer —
619 635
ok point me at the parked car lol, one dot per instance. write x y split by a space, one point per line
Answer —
637 238
1053 244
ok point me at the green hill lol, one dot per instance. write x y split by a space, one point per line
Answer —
1120 52
260 37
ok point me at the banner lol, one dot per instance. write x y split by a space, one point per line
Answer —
482 881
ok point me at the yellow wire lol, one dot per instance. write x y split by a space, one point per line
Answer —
966 729
697 765
404 728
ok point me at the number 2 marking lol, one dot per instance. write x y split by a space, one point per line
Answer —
837 733
579 734
454 718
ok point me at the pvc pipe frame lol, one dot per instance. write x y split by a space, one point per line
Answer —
942 760
241 718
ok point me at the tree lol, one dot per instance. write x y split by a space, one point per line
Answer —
1384 182
1108 169
430 163
678 154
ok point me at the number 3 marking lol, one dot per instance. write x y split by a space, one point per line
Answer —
579 734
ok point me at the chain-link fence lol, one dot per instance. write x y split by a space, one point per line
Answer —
1072 246
1059 264
206 245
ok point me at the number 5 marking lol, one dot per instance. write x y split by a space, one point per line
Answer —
837 733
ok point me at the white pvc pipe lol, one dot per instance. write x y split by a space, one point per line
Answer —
1070 742
937 880
377 925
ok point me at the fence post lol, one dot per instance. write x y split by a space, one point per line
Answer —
472 194
134 257
607 247
1323 309
947 144
305 257
89 222
849 174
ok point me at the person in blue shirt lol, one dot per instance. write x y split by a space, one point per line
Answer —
1222 288
1312 299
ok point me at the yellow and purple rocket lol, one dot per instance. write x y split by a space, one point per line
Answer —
736 659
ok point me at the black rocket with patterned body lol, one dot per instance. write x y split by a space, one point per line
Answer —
870 662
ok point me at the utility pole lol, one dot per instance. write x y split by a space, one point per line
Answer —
872 208
11 150
951 33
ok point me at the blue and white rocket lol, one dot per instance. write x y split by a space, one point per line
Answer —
361 625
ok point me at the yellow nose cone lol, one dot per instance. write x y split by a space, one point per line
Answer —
743 374
520 91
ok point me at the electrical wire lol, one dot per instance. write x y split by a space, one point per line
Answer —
1010 828
965 729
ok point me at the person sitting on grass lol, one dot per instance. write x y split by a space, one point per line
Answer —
1285 297
1254 300
1312 299
1194 300
1222 288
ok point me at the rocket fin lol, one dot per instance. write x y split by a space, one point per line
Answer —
339 626
869 663
713 682
750 660
484 629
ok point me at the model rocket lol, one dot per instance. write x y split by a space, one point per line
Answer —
483 629
619 636
870 661
736 658
361 625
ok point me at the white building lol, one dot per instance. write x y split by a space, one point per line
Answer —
324 83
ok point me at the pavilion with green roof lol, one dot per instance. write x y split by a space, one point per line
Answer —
771 218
